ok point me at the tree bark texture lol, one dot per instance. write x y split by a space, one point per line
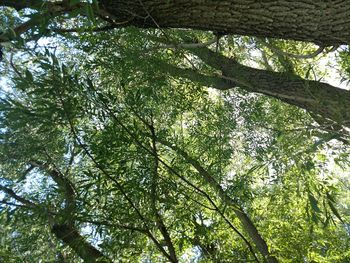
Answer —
325 22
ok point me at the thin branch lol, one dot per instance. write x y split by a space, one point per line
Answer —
15 68
248 225
83 29
314 54
189 45
13 204
18 198
159 221
266 61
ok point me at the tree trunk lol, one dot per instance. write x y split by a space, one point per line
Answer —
322 21
325 22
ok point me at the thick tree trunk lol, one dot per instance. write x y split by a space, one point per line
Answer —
325 22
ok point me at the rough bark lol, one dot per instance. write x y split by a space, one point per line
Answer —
321 21
324 22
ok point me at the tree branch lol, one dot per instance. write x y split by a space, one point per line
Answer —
63 183
18 198
64 228
70 236
248 225
159 221
111 113
316 97
314 54
22 4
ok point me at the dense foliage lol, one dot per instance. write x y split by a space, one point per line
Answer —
112 150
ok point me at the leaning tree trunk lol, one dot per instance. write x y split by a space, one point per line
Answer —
316 97
325 22
320 99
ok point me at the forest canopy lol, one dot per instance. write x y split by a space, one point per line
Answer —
174 131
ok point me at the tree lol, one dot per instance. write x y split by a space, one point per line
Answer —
129 148
298 21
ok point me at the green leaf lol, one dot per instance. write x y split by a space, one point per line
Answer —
73 2
90 13
314 203
28 76
335 211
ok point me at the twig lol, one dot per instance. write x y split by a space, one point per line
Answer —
190 45
314 54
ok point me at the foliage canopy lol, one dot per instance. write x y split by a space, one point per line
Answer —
131 144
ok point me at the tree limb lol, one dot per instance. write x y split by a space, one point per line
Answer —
248 225
22 4
70 236
159 221
18 198
319 98
314 54
63 183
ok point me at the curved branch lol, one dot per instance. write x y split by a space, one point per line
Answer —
65 229
63 183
